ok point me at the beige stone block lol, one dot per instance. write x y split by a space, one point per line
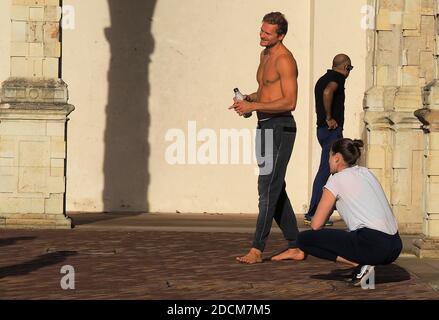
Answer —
8 184
410 76
427 62
19 49
401 187
35 32
55 185
376 156
52 50
57 163
375 98
412 33
433 97
57 148
428 25
8 171
413 6
401 157
434 141
52 13
61 95
19 13
413 57
33 179
23 128
55 204
51 32
431 229
387 58
52 2
19 2
383 20
412 43
427 7
35 67
7 162
22 205
383 76
430 42
25 216
8 147
418 180
433 163
56 172
392 5
411 21
55 129
19 66
36 50
389 97
50 68
433 198
407 102
418 141
405 215
389 41
36 2
36 13
395 17
19 31
378 173
378 138
34 154
394 75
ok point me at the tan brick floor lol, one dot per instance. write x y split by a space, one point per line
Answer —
176 265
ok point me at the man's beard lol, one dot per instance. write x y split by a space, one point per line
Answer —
270 45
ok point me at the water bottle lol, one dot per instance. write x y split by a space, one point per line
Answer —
240 97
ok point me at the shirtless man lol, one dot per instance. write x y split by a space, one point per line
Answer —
273 102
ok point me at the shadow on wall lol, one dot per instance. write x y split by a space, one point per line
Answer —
127 116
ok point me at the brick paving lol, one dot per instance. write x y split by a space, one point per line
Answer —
177 265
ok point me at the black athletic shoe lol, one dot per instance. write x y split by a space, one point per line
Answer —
360 272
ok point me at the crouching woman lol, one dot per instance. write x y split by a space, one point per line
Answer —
373 237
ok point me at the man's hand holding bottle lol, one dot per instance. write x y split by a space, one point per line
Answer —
242 104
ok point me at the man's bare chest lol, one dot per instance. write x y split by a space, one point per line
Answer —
267 73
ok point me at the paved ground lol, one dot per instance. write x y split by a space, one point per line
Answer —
184 257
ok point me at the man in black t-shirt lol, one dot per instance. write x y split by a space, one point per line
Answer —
330 99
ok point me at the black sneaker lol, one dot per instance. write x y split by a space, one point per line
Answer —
360 272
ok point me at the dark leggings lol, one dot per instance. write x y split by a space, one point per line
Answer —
362 246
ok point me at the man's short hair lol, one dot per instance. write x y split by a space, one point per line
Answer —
278 19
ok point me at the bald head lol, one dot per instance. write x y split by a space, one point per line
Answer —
340 60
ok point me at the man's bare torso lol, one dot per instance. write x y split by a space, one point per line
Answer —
268 77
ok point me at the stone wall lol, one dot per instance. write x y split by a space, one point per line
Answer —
36 47
33 119
403 61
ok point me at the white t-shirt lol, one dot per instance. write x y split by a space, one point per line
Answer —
361 201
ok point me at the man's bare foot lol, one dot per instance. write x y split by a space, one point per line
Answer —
254 256
290 254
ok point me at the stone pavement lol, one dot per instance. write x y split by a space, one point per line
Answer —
175 256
